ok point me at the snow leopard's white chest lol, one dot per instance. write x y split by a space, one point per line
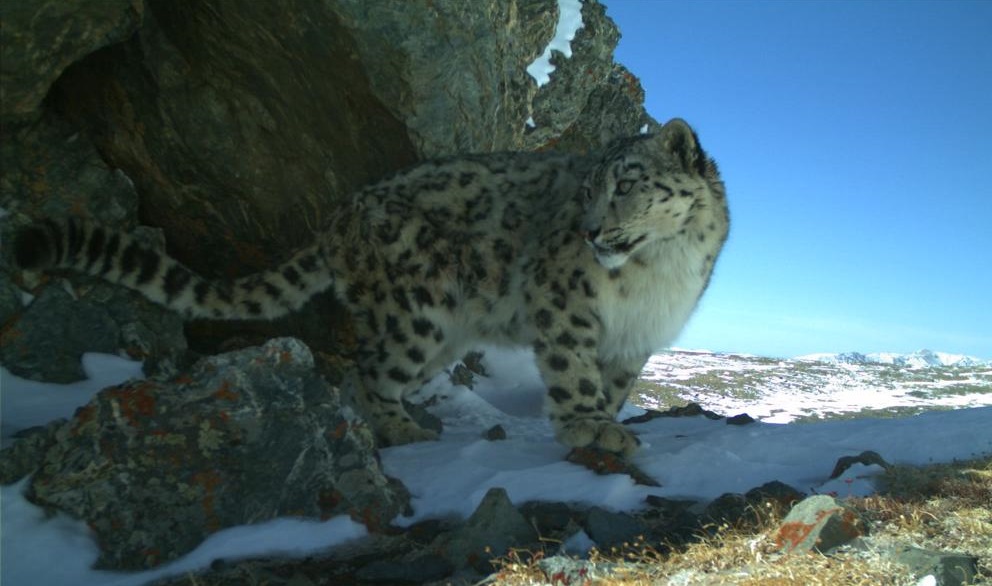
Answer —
645 307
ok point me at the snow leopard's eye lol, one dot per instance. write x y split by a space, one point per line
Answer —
624 186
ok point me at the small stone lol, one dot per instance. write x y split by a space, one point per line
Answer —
565 570
609 529
819 523
489 533
602 462
690 410
740 419
867 458
777 492
947 568
495 433
548 517
425 568
729 508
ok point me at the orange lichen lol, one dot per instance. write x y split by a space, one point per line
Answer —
136 401
225 392
791 534
209 481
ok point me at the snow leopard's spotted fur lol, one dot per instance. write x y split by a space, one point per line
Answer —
594 261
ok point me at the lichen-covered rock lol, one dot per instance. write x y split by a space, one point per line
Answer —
819 523
589 99
22 458
154 468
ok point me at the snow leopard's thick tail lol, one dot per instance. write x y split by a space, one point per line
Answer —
118 258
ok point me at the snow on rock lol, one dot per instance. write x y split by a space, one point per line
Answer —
26 403
569 22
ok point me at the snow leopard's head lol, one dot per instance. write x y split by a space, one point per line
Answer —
649 188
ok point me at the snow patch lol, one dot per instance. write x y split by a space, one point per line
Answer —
26 403
569 22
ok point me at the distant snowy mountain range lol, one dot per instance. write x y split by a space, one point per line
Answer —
918 359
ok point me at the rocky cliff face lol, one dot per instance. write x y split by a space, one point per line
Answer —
230 130
235 127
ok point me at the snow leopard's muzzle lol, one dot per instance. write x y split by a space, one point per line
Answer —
611 253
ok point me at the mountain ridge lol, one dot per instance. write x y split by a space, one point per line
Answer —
920 359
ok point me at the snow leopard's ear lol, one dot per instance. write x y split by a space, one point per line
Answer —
678 138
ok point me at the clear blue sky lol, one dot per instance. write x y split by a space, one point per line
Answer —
855 139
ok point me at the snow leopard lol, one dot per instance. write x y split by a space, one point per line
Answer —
594 260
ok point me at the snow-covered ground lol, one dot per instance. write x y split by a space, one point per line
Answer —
782 391
693 458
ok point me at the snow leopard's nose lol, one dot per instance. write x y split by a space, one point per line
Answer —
590 234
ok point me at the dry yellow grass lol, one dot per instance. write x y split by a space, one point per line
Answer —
940 507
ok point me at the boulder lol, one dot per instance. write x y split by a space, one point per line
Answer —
494 527
155 467
819 523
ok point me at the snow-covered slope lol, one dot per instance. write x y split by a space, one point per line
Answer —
817 386
918 359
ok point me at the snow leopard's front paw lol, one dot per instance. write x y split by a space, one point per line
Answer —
398 433
602 434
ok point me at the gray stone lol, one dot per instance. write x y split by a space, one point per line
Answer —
689 410
613 530
728 508
740 419
75 327
776 492
565 570
48 338
868 458
155 467
10 298
495 433
420 569
948 568
549 517
490 532
819 523
670 521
